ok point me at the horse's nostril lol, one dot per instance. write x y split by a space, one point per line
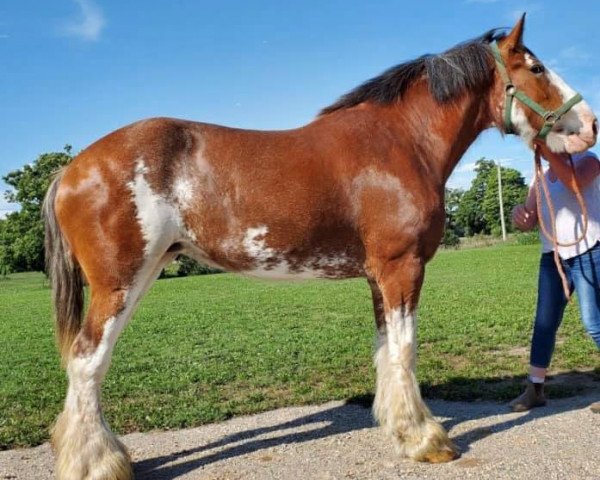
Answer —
595 127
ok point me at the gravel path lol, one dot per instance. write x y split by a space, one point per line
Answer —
338 441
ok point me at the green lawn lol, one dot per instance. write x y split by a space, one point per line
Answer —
201 349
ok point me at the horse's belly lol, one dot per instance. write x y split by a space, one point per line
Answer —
327 266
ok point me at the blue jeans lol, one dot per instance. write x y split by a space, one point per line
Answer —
583 274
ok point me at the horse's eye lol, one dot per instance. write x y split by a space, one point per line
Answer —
538 69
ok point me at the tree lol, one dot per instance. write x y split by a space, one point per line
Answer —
470 214
479 211
452 231
22 232
514 191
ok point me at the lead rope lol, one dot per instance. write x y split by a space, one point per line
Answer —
541 179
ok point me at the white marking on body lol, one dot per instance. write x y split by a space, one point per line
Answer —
159 220
271 264
403 213
183 190
254 243
204 167
92 180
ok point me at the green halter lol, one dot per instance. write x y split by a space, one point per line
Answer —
550 116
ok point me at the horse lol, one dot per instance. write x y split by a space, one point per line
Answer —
358 192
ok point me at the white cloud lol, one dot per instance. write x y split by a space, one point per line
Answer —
505 161
460 181
590 89
569 57
5 207
465 168
574 53
89 25
555 65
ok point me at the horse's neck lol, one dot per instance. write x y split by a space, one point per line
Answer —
436 134
443 133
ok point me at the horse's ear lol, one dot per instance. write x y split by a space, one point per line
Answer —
515 38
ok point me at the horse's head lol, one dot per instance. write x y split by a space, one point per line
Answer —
535 103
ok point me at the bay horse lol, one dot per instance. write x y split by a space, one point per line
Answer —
358 192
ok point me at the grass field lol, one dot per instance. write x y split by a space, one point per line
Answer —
201 349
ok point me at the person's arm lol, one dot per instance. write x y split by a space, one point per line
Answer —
587 169
524 216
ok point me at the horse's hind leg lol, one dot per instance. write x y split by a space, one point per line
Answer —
84 445
398 405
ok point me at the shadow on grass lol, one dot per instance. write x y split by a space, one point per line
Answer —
356 415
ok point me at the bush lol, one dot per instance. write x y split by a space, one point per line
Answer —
185 266
450 238
4 271
527 238
188 266
170 271
496 231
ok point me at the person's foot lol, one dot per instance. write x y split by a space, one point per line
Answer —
533 396
595 407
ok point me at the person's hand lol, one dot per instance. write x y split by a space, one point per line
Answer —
522 218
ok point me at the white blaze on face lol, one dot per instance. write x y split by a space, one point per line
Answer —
576 125
572 133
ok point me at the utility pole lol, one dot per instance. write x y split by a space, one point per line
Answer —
501 202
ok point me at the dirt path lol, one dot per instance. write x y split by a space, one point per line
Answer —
338 441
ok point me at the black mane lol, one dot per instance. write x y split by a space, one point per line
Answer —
464 67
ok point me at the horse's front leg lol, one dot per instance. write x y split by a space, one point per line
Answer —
398 405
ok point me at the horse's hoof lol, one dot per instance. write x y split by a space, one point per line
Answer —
442 456
88 451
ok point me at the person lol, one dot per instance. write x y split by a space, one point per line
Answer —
581 264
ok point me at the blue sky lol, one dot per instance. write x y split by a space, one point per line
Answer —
74 70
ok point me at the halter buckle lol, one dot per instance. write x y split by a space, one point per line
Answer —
510 89
550 118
